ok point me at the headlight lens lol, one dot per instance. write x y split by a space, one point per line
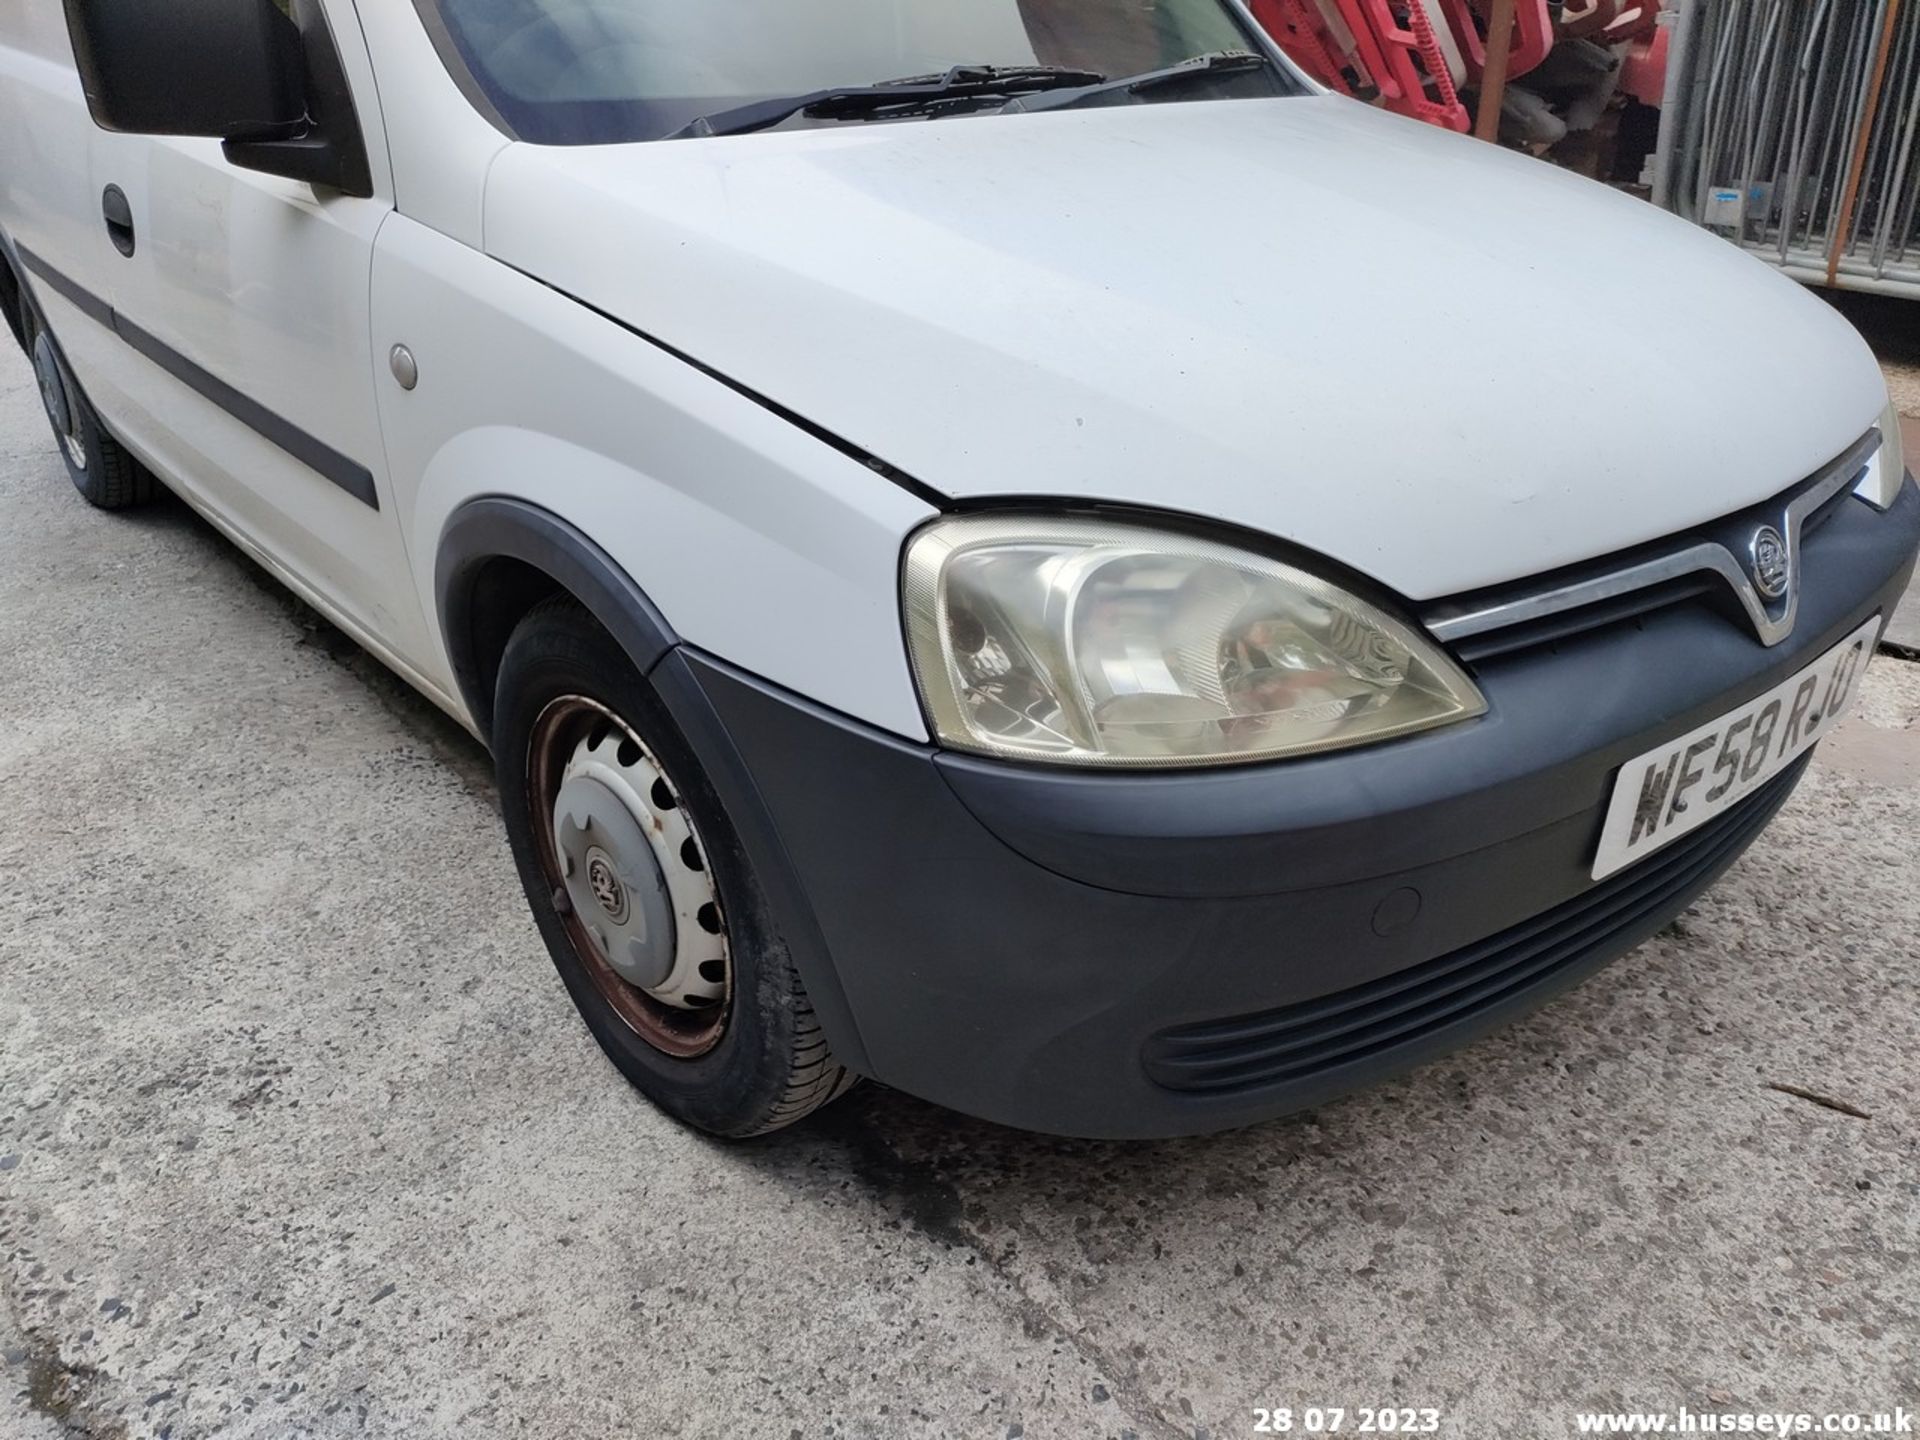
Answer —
1092 643
1887 470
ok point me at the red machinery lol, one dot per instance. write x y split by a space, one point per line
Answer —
1414 56
1533 35
1386 47
1610 22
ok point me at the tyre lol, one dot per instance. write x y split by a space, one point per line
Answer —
642 891
100 467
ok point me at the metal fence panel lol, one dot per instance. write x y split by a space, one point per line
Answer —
1769 104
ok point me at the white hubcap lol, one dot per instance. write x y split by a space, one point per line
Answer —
636 875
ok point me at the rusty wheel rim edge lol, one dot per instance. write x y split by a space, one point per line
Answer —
678 1034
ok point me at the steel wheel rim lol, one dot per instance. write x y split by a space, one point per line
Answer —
57 397
580 746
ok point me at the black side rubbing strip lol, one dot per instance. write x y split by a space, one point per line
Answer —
355 479
85 301
349 475
916 488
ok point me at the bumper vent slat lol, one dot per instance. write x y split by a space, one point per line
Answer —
1299 1041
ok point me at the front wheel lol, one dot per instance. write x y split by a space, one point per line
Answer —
643 892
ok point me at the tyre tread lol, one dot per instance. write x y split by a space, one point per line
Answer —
122 481
815 1079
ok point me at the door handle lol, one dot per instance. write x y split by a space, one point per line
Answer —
118 214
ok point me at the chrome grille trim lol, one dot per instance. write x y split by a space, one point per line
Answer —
1772 624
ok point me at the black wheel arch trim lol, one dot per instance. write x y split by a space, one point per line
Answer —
12 295
491 529
13 258
495 528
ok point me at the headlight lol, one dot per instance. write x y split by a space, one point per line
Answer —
1087 642
1886 471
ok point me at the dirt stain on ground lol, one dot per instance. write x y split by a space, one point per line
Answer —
59 1390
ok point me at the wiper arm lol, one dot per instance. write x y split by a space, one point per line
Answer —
916 92
1039 77
1219 62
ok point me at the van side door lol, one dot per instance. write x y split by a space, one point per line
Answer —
245 297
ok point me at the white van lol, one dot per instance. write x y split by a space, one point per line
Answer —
1011 547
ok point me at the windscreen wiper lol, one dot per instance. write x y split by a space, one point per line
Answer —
1121 91
893 97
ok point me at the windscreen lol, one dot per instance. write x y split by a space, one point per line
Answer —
572 72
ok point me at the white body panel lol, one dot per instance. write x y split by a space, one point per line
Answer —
439 145
756 541
1441 363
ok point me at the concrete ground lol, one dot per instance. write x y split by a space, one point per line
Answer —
299 1136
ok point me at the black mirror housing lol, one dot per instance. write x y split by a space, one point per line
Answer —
222 68
267 83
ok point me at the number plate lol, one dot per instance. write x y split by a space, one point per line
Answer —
1686 782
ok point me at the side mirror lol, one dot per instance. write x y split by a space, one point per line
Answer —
223 68
267 83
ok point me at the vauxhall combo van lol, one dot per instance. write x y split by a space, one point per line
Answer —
1012 547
